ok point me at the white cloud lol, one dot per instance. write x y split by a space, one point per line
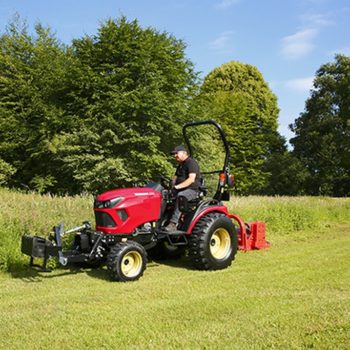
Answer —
300 85
224 4
223 42
299 44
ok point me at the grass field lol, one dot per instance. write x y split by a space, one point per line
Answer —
296 295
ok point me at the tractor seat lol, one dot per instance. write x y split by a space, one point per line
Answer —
186 205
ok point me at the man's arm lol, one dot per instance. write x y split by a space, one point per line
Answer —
174 180
190 180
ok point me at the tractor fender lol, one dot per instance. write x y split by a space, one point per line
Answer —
212 209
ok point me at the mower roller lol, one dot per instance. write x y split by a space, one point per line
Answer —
130 227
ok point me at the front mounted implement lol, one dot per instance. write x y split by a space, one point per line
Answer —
39 247
42 248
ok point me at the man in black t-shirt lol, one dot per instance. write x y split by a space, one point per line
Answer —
186 182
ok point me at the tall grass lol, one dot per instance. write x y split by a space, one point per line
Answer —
36 214
285 215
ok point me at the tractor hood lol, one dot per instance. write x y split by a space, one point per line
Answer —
128 193
122 211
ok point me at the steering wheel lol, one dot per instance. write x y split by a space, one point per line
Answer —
165 181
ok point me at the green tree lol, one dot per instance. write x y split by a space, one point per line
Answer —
6 170
101 113
236 95
287 173
132 88
322 141
33 78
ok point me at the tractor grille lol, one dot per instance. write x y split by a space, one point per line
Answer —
104 219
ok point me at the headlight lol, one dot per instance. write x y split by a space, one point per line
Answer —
113 202
108 204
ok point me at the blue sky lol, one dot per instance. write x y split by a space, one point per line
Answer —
287 40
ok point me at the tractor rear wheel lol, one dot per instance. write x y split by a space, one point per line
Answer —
126 261
213 242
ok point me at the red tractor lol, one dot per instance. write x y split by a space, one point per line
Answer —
130 226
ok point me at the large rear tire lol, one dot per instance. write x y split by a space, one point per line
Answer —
213 242
126 261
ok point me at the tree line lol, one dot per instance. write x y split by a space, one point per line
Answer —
105 111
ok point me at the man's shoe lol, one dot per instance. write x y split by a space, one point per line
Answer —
172 227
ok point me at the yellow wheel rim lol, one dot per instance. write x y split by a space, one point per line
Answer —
220 244
131 264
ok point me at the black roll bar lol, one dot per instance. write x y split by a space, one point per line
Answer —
222 134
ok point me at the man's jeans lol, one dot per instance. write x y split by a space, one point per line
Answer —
189 194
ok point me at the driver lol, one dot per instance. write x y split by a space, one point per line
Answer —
186 182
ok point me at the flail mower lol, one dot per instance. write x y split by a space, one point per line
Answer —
130 227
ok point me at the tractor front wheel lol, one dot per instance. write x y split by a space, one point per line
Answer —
126 261
213 242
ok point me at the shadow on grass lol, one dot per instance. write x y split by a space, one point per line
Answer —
181 263
25 273
35 274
